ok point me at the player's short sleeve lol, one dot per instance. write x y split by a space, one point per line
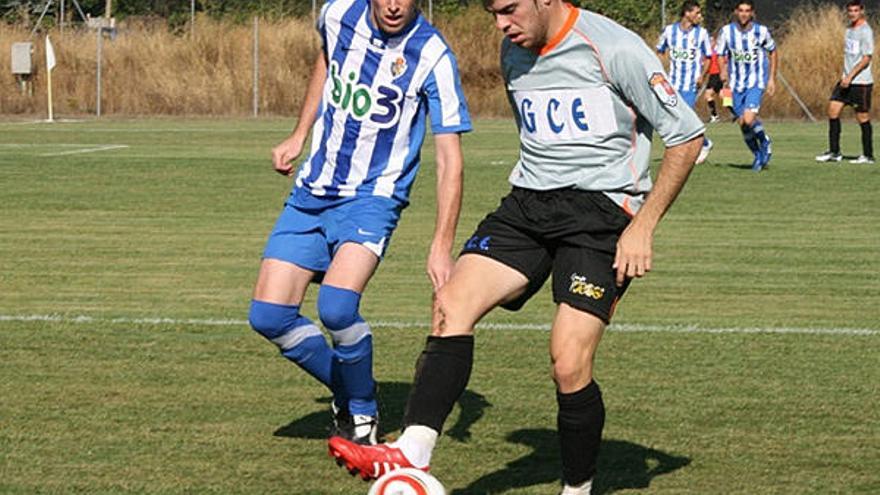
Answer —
722 42
767 40
638 77
867 44
321 20
447 107
705 43
663 41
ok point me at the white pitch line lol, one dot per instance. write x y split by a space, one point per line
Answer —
620 327
89 150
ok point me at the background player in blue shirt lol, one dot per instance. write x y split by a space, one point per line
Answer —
748 66
383 69
689 48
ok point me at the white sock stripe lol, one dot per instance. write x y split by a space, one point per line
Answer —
351 335
295 336
618 327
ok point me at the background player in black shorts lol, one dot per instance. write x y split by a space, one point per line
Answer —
855 86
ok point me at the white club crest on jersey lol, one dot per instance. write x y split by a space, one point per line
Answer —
398 67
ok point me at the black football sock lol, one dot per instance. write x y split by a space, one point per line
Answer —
713 109
442 373
867 139
834 135
580 421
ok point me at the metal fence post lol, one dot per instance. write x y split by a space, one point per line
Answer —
99 55
256 66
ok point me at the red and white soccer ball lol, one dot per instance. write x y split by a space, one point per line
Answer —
407 481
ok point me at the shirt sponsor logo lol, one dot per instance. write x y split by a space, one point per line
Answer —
565 114
853 47
380 105
664 91
745 56
679 54
580 287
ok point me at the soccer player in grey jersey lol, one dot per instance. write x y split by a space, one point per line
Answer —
588 95
855 86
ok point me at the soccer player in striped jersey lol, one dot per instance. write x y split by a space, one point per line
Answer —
689 48
383 74
587 95
855 86
749 59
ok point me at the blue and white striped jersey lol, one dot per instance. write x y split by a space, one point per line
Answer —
378 94
746 52
687 49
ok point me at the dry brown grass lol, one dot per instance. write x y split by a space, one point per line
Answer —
149 70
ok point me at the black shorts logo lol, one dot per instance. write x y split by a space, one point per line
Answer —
579 286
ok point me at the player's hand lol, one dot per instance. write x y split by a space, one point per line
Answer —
634 253
845 82
439 267
285 153
771 87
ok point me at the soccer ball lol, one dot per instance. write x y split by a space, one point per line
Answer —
407 481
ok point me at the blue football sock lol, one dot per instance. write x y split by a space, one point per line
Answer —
352 376
760 135
750 138
298 339
352 369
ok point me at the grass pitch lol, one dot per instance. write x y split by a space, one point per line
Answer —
745 363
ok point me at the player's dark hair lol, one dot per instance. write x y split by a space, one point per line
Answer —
855 3
688 6
750 3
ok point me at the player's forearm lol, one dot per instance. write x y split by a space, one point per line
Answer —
678 161
450 177
309 111
774 64
863 63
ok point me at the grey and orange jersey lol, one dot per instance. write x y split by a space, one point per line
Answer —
586 107
859 42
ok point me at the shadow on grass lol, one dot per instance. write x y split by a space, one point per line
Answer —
392 402
741 166
622 465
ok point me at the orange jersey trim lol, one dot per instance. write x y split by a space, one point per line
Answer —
573 14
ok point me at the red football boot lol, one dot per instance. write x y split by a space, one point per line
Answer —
370 461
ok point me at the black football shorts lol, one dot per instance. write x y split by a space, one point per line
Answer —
856 95
567 232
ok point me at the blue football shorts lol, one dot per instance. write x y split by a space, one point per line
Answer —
309 238
747 100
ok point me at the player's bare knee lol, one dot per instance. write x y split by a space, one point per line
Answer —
445 309
571 374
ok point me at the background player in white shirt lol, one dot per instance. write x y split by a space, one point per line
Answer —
855 86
